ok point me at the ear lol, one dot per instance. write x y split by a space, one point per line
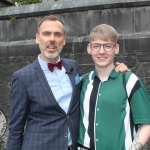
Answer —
64 42
117 49
89 49
37 38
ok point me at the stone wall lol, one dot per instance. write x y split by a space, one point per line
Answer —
5 3
18 28
43 1
2 5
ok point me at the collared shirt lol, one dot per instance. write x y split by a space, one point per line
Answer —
105 121
60 85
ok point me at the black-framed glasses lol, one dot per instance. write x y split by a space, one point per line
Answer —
106 46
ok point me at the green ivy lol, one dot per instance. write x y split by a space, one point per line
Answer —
26 2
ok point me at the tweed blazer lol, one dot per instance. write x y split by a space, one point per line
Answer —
37 122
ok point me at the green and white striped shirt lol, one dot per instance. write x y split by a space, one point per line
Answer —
106 122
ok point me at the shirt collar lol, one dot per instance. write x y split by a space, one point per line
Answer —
112 74
43 63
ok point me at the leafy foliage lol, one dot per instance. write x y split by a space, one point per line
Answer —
26 2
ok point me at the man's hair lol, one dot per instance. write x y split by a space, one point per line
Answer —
104 32
50 18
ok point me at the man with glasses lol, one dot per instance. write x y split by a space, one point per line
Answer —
106 119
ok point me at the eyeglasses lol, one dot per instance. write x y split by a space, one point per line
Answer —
107 47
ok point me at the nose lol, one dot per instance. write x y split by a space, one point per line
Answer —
52 37
101 50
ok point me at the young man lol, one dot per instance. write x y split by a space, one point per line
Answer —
44 112
106 120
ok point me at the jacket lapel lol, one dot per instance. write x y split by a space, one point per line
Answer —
71 76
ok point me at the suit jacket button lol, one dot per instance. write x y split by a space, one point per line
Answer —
65 135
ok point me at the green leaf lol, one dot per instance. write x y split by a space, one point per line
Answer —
26 2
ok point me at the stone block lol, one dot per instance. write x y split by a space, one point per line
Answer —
7 2
18 30
147 84
1 31
121 43
136 3
83 59
9 77
74 24
4 99
8 60
5 109
94 18
2 75
113 4
32 24
4 89
76 45
66 55
22 65
12 50
31 59
2 60
142 70
80 47
3 50
68 47
143 56
113 1
121 19
33 50
86 68
126 58
142 24
137 42
2 145
4 30
20 49
88 3
6 71
13 67
18 59
2 5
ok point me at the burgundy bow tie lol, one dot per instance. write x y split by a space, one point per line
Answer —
58 65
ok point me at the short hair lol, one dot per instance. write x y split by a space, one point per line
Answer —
104 32
51 18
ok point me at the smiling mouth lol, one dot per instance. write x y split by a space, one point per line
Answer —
101 58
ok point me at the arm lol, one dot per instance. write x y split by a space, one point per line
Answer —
121 67
141 137
18 113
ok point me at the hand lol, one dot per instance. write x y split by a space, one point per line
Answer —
121 67
141 137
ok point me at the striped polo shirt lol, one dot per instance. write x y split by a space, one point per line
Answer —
106 122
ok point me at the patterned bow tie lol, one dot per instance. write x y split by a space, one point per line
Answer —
58 65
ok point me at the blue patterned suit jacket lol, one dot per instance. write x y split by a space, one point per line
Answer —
37 122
